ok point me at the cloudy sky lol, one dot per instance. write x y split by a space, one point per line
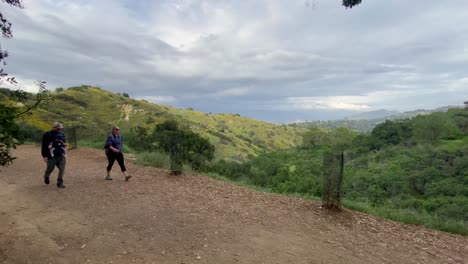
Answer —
272 60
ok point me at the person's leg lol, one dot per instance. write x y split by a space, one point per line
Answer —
50 168
110 163
121 161
61 162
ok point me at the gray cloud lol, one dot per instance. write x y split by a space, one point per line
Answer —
270 59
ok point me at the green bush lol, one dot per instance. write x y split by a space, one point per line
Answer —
183 146
154 159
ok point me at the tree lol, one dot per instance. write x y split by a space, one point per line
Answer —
341 139
433 127
351 3
17 103
5 25
315 138
183 146
10 112
389 133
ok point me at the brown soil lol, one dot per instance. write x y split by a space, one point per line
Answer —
159 218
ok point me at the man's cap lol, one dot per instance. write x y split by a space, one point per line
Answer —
57 125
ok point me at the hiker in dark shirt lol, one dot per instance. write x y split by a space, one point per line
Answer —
113 148
54 153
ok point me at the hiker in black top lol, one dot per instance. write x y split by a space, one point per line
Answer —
54 153
113 148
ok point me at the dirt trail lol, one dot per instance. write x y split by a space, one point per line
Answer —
158 218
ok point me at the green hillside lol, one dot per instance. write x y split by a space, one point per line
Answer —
413 170
92 111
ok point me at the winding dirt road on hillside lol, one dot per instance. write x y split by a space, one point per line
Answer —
159 218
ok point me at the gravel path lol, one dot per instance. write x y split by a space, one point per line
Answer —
159 218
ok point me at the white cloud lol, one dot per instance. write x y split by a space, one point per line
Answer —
158 99
458 85
233 92
379 54
28 85
370 101
329 103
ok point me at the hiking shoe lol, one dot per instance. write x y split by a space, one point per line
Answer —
46 180
60 185
128 177
108 177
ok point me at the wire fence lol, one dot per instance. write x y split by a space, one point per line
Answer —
333 165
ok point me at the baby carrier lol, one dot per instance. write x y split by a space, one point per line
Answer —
57 145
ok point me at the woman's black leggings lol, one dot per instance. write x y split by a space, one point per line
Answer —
112 156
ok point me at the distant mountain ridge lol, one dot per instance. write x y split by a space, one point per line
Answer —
414 113
365 122
381 113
